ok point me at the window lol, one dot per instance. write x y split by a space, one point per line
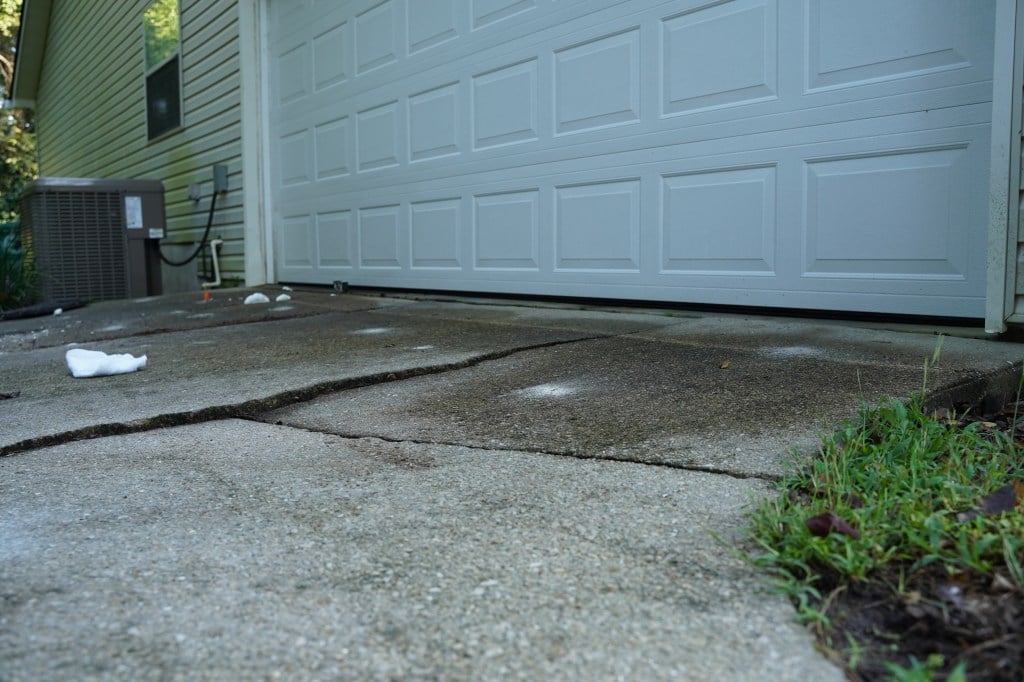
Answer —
163 68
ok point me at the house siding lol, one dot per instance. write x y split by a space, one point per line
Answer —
91 104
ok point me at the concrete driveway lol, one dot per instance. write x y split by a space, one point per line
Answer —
356 487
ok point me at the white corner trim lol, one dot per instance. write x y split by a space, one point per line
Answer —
251 74
1004 175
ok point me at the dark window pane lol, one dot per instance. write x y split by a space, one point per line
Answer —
163 99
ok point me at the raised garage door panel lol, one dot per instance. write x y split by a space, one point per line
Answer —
811 154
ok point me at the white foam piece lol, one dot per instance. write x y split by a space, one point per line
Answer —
84 363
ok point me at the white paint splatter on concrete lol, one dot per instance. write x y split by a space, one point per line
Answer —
793 352
546 391
374 330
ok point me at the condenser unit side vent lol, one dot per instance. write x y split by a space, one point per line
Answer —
77 233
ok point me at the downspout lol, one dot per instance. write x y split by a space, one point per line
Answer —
1004 175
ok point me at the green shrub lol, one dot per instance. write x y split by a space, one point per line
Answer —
17 273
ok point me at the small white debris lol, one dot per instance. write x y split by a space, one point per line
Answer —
422 347
286 288
256 298
373 330
58 311
282 298
84 363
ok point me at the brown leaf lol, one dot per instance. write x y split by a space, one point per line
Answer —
724 365
997 502
823 524
1002 500
853 500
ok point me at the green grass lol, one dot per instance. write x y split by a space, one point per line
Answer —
904 480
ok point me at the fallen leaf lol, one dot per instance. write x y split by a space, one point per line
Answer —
823 524
853 501
997 502
1001 583
724 365
1002 500
9 394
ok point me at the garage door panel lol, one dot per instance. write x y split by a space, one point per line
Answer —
596 226
848 46
507 105
735 152
898 214
722 55
719 222
717 149
335 237
435 231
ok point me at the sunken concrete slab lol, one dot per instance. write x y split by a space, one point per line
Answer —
231 366
237 550
729 402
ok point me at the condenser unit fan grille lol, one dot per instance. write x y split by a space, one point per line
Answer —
78 240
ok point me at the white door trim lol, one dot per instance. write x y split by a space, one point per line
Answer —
258 255
1005 174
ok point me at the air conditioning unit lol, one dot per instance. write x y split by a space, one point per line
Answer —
94 239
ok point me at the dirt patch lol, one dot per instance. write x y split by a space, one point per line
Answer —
972 618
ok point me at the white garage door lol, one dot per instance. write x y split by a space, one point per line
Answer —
828 154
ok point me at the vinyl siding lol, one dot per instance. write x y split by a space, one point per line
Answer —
91 104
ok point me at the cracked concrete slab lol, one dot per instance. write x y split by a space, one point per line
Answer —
237 364
238 550
724 405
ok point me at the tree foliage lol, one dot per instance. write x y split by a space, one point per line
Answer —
161 21
17 139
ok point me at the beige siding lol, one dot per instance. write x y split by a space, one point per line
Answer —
92 110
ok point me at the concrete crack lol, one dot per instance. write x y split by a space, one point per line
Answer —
574 454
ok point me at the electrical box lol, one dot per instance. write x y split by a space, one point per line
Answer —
94 239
